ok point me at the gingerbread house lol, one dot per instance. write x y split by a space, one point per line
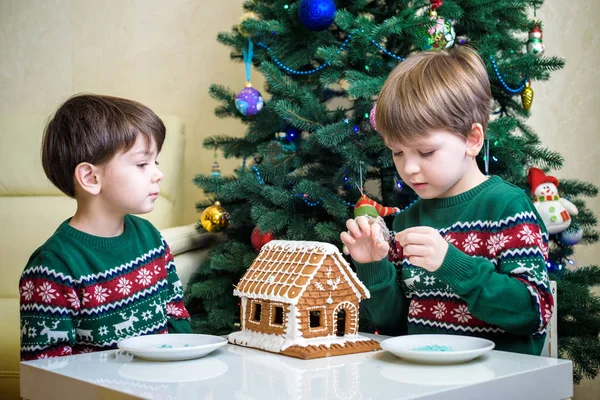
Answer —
301 299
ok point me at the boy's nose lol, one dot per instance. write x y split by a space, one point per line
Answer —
158 176
411 167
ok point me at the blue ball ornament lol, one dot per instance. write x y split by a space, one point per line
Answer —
249 101
571 237
317 15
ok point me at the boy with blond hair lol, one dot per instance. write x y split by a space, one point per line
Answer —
104 275
471 252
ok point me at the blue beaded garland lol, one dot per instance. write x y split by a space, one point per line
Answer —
317 15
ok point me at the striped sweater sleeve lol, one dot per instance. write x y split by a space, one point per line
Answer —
49 306
512 291
177 316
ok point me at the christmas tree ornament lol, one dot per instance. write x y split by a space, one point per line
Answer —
246 16
317 15
571 236
374 212
535 45
249 101
527 96
214 218
259 239
555 211
372 117
441 35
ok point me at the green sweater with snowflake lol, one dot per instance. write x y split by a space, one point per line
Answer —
492 282
81 293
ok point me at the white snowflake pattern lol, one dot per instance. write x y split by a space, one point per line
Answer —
66 351
87 350
497 242
101 294
462 314
144 277
85 297
103 330
147 315
471 243
124 286
527 235
415 308
542 245
47 292
450 239
73 299
173 310
429 280
439 310
43 356
27 290
156 269
32 332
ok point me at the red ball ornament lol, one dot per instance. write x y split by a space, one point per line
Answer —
259 239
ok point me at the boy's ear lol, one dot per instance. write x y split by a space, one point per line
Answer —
87 178
475 140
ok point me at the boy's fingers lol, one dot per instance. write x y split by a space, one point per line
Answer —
353 228
418 229
347 239
414 250
364 225
406 238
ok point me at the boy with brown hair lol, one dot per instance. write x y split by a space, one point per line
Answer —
104 275
471 252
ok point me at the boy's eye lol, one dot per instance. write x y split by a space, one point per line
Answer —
397 153
142 165
427 153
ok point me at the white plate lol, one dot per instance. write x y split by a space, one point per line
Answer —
171 347
418 348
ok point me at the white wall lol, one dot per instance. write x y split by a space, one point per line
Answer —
164 54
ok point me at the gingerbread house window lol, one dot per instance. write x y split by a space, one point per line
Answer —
257 311
277 315
315 319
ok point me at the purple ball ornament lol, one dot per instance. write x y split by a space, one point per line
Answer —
372 117
249 101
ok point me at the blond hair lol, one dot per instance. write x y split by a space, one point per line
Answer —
434 90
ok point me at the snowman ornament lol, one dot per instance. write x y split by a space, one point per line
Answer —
555 211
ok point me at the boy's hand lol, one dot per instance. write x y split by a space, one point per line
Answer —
423 246
364 241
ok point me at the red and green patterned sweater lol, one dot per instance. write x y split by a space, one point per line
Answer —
81 293
492 283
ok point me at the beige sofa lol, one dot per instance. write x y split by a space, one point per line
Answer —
31 209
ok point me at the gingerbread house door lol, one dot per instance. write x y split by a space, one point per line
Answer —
345 316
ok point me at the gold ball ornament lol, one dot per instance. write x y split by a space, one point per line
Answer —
527 96
245 17
214 218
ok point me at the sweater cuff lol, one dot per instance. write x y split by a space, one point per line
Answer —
455 268
373 273
179 326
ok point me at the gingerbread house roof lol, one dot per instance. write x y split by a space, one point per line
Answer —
284 269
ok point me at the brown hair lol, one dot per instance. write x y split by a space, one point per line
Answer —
93 128
434 90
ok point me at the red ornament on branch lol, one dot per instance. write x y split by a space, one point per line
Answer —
259 239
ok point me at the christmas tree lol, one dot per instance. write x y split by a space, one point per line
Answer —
310 148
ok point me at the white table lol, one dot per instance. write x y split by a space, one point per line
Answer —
234 372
